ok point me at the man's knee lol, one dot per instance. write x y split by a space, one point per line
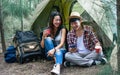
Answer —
67 56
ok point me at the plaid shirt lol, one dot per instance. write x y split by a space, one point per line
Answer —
89 38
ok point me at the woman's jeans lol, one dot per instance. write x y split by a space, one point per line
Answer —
59 55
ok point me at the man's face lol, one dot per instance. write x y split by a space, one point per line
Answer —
75 25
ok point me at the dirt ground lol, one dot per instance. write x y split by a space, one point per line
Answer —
43 67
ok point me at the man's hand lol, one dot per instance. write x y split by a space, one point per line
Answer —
72 50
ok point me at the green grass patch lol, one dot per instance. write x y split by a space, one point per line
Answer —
107 70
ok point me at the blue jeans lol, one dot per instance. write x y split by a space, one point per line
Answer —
59 55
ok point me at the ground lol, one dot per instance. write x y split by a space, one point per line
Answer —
43 67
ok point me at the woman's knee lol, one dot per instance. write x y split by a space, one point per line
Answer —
48 39
49 43
58 53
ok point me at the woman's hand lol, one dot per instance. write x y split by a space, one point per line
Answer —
51 52
44 34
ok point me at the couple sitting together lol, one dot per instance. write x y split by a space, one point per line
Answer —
84 49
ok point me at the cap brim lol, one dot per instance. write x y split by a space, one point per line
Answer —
74 17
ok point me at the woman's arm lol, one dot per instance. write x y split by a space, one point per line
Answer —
42 42
43 37
62 41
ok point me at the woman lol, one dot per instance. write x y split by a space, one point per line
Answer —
53 41
84 47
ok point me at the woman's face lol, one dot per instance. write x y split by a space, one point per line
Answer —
75 25
57 21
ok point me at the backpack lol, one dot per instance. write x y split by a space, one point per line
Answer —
10 54
25 36
27 46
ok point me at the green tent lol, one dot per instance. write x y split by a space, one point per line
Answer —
44 9
101 12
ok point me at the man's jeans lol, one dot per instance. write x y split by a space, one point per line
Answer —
59 55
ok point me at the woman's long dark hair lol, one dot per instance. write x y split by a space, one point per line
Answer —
51 26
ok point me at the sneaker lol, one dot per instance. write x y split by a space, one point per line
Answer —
96 62
67 64
103 61
55 70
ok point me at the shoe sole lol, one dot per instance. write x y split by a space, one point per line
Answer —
52 73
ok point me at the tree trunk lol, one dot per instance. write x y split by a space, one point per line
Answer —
118 32
21 14
1 29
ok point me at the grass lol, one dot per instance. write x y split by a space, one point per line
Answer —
107 70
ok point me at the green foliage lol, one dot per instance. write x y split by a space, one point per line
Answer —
107 52
13 12
14 9
107 70
11 24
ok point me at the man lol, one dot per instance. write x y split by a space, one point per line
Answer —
84 47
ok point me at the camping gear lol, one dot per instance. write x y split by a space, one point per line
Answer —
27 46
10 55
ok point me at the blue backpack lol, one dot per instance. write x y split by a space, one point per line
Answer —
10 54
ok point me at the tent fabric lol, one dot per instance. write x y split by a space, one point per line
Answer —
105 18
39 9
104 14
42 12
41 16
